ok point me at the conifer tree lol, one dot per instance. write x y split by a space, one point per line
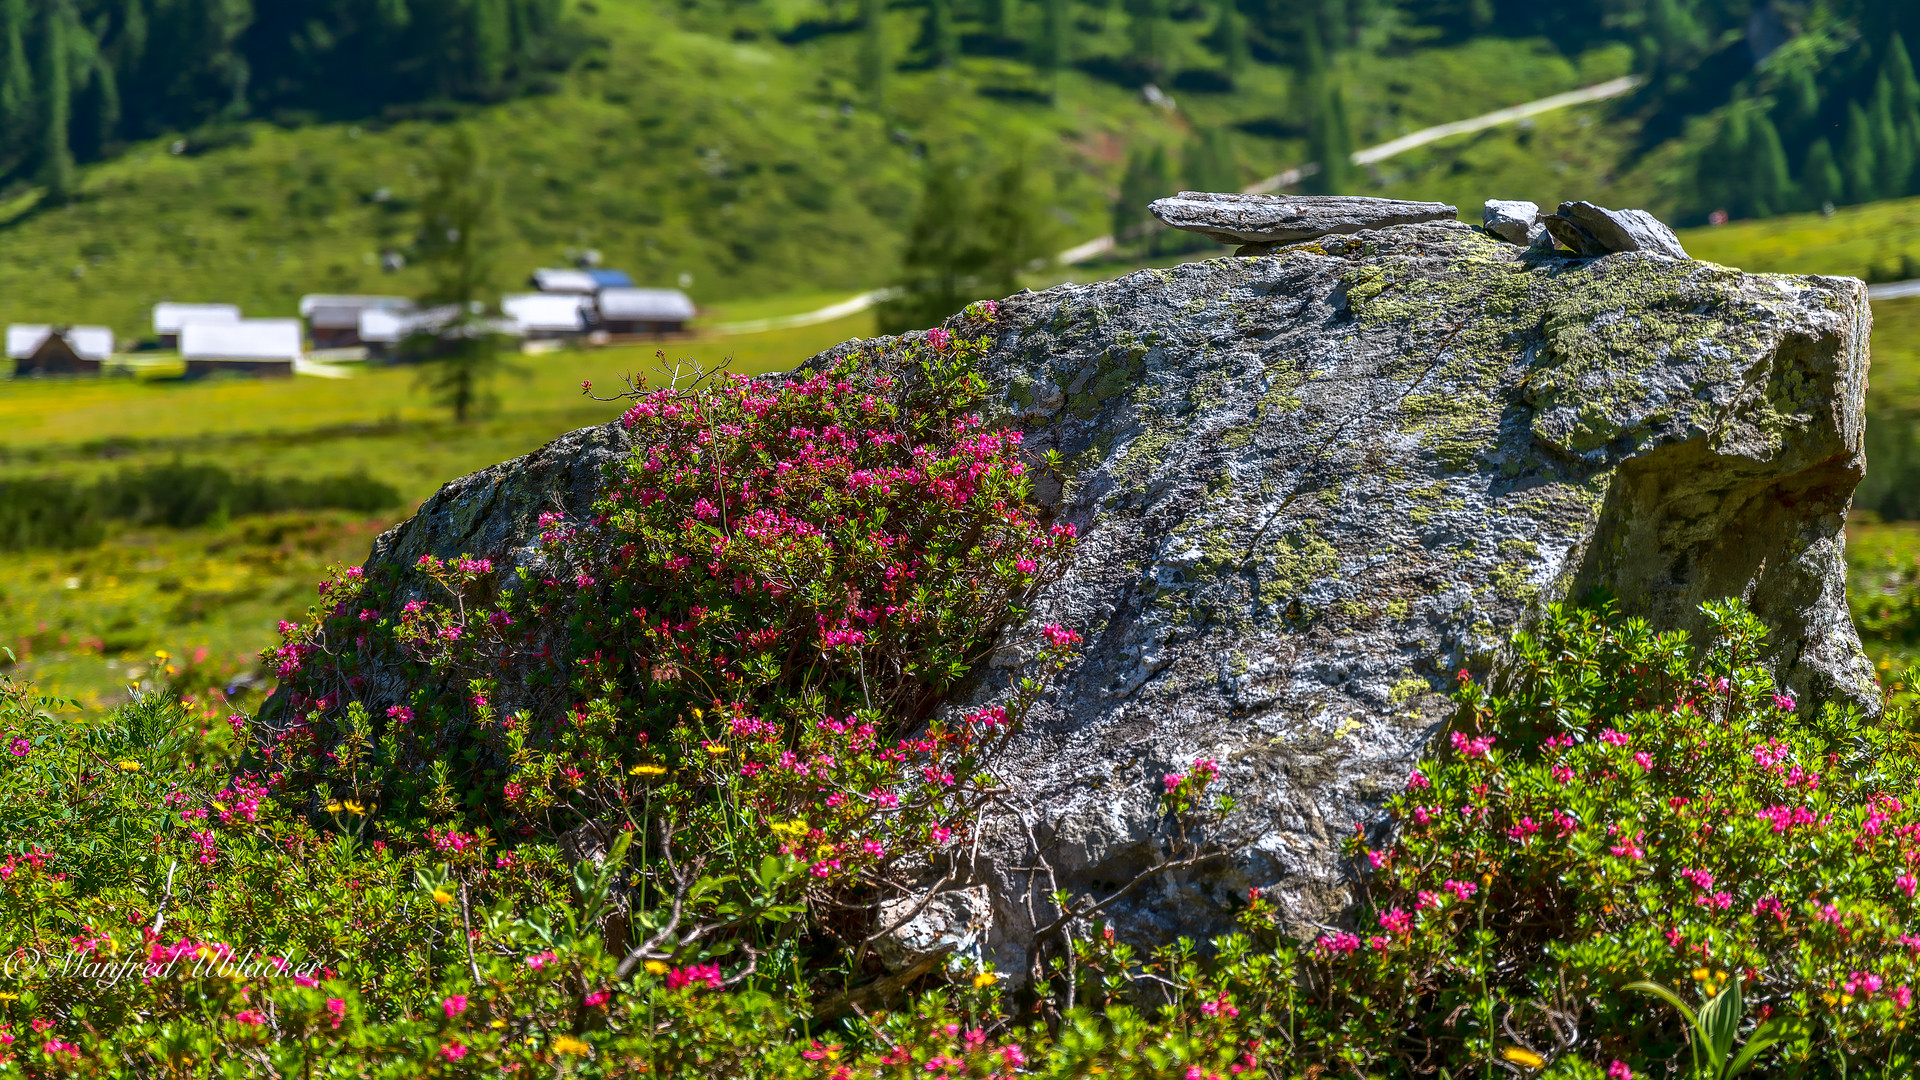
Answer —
1229 37
1000 16
1904 99
16 78
1820 181
492 43
1330 141
940 254
1892 142
1208 162
1011 231
943 41
1857 164
56 102
874 58
1148 32
1056 44
1771 184
459 243
1148 177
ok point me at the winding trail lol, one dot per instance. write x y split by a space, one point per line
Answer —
1101 245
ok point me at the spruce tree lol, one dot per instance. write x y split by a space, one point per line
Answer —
1820 181
1148 34
16 81
1330 141
874 58
1056 44
1892 148
943 41
56 102
1208 163
1011 232
1904 98
1229 37
940 255
1772 185
492 44
1857 163
1000 16
459 243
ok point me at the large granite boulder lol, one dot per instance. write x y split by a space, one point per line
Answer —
1312 486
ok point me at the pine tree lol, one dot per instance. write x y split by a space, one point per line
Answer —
1857 163
1330 141
1056 46
1771 184
1148 33
943 41
1722 170
1011 233
1208 163
56 102
940 253
492 44
459 243
1892 142
1229 37
1000 17
1148 177
1820 182
874 59
1897 68
16 81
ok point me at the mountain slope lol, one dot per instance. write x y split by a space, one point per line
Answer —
753 167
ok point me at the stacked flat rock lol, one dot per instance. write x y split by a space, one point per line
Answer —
1587 229
1233 218
1515 221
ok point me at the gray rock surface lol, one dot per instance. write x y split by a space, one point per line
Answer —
1511 220
1313 486
1586 229
1233 218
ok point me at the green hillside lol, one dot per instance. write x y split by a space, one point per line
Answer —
754 166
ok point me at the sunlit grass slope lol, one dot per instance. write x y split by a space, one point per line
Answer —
756 166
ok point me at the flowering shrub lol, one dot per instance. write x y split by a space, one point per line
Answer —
630 813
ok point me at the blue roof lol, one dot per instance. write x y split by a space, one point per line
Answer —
611 279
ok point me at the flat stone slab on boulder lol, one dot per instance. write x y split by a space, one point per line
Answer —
1234 218
1586 229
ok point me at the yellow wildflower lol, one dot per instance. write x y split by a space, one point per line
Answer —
984 980
355 808
716 749
442 896
219 806
1522 1057
647 770
567 1044
497 1024
657 968
333 808
129 766
1701 974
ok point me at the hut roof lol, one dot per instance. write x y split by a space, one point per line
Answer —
171 318
546 311
648 305
564 281
248 339
87 342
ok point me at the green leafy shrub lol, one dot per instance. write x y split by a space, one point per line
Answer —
61 513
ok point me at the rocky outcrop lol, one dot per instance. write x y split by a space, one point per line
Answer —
1314 486
1311 487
